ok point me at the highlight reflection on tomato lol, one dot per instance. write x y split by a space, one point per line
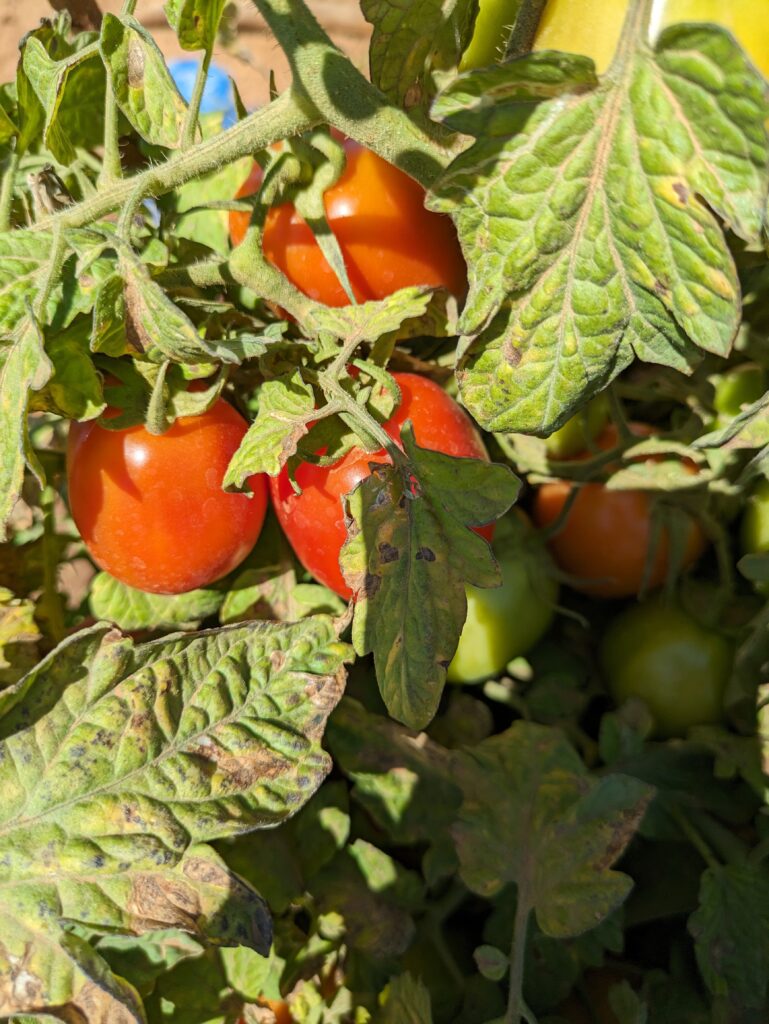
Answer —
388 239
151 509
605 539
313 521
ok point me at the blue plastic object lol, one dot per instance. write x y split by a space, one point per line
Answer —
217 94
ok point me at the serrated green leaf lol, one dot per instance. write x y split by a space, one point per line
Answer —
134 609
209 227
731 944
71 92
155 324
407 1001
8 114
286 407
108 332
369 320
19 637
152 750
26 368
142 83
143 958
750 429
588 221
411 41
411 550
195 22
532 815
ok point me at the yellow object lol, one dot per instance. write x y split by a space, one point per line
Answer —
592 27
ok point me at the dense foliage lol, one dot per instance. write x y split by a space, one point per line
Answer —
234 794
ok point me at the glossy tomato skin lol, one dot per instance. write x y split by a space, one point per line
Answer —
150 508
606 536
505 622
678 667
580 431
388 238
736 389
313 521
592 27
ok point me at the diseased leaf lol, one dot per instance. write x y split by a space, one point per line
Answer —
368 321
409 546
71 93
26 368
123 774
74 389
411 41
156 325
108 331
142 83
195 22
589 220
731 942
143 958
532 815
132 609
286 407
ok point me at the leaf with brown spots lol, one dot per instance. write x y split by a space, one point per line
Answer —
143 86
119 763
534 816
410 550
591 215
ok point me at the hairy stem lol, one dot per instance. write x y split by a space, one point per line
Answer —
112 169
287 115
517 954
521 38
193 111
6 191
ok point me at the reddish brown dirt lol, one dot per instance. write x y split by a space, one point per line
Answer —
249 60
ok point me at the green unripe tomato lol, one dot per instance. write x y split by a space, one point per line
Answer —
492 30
578 432
754 530
737 388
679 668
506 621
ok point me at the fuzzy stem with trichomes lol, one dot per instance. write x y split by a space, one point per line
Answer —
51 602
634 29
193 110
521 38
517 956
112 168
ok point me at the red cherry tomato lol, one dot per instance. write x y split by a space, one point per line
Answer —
605 538
151 509
313 521
388 239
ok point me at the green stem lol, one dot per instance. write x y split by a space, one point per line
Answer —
285 116
525 28
193 111
694 837
361 419
517 955
634 28
6 191
345 98
55 263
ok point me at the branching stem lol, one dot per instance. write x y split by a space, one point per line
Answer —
193 111
517 955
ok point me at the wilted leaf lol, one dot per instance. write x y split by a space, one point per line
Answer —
195 22
108 331
412 39
142 83
286 407
75 389
532 815
731 942
369 320
132 609
589 220
25 368
410 550
149 751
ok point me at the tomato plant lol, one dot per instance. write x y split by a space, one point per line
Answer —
605 538
657 652
387 237
151 509
478 277
314 520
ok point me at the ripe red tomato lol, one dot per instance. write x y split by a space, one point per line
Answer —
150 508
388 239
605 538
313 521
